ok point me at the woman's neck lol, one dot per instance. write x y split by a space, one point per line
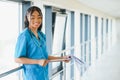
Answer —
35 32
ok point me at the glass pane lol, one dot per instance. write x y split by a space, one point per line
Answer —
58 77
59 29
9 12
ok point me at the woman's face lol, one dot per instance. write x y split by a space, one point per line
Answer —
35 20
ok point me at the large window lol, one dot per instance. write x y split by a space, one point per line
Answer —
107 33
101 35
58 33
89 35
85 40
96 35
9 29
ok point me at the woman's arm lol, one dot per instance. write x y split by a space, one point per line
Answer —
55 58
23 60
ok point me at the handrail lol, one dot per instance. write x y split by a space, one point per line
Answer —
10 71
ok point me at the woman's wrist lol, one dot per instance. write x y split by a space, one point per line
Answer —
42 62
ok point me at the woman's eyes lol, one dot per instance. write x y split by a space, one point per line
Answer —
39 17
36 18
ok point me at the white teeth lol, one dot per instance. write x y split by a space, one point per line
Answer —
36 23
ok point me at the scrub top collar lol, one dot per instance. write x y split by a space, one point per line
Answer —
36 41
32 34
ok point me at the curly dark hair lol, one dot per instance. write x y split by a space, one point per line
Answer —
30 11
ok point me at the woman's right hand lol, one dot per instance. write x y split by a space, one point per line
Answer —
43 62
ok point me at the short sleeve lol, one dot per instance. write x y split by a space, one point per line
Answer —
20 49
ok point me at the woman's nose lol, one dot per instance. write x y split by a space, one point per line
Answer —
36 20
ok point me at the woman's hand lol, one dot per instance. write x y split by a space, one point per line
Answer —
67 58
43 62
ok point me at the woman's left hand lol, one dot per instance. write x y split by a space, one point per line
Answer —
68 58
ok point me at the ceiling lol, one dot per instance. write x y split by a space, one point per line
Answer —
111 7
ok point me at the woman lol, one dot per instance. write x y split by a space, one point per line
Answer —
31 47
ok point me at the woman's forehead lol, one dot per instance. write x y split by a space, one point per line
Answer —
34 13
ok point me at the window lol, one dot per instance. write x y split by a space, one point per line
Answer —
106 26
58 31
102 35
96 35
9 29
89 23
86 40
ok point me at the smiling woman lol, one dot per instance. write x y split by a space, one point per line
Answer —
31 49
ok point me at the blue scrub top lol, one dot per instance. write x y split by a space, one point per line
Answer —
29 46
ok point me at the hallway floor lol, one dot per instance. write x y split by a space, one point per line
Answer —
105 68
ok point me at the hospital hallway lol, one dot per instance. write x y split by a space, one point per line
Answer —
87 31
107 67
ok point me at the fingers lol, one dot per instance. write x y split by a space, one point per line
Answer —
42 62
45 63
67 58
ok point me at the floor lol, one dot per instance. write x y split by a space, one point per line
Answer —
107 67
